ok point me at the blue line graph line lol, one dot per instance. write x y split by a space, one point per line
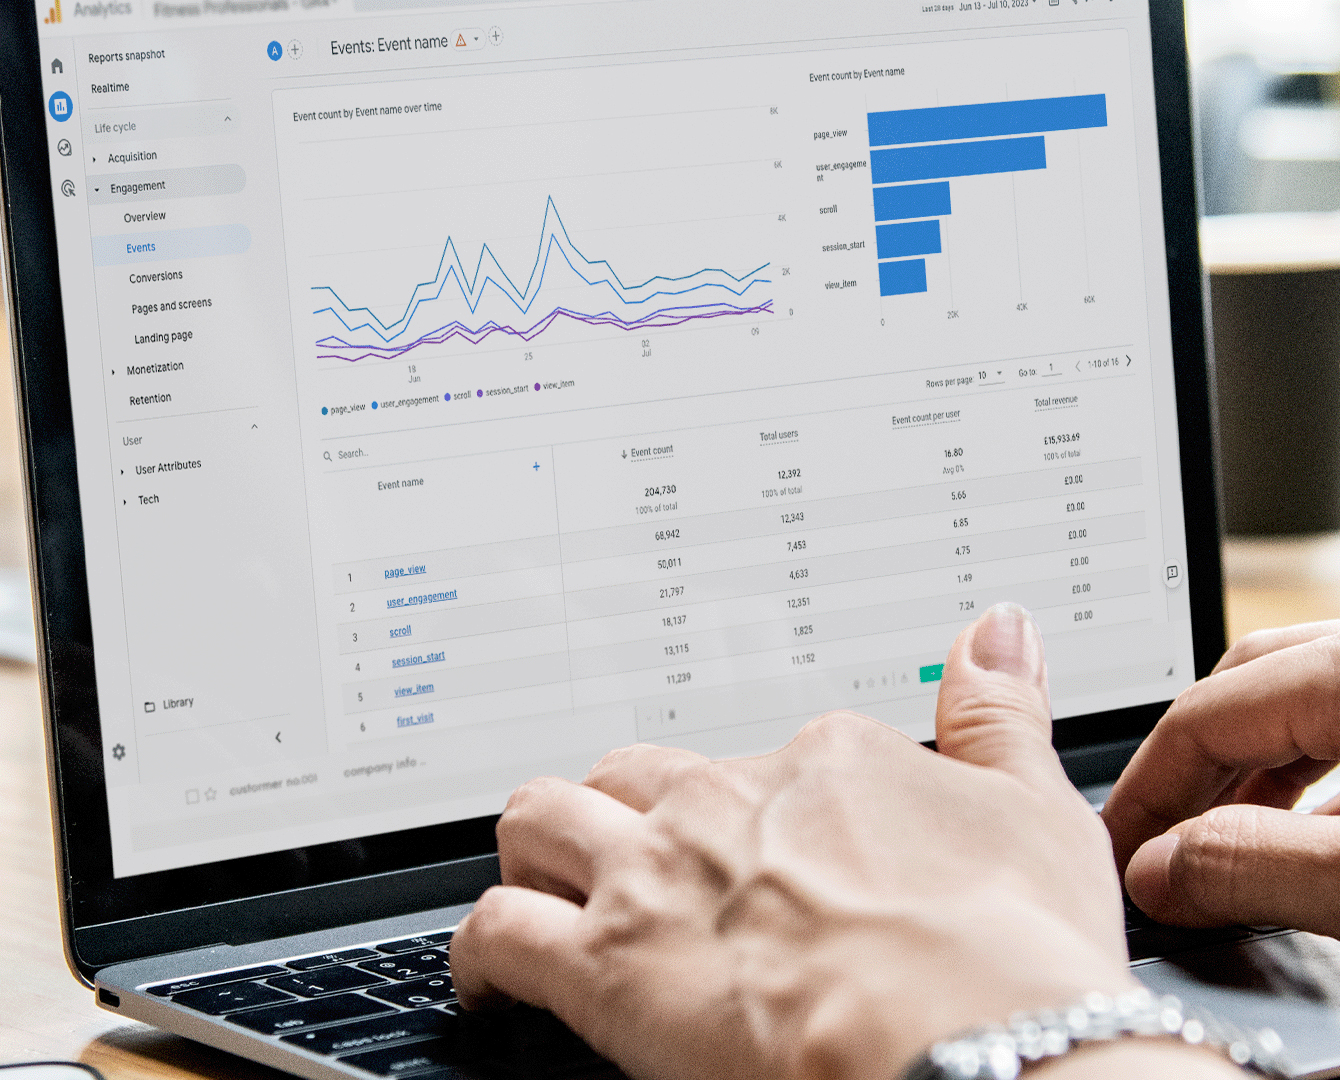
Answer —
593 272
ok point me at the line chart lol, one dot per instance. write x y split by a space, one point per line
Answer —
564 286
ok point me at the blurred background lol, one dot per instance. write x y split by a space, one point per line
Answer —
16 627
1266 80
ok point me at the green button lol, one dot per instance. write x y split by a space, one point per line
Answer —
932 672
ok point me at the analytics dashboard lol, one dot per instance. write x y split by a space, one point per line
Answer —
462 391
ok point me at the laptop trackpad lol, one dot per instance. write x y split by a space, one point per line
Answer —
1289 982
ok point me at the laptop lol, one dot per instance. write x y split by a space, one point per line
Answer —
418 397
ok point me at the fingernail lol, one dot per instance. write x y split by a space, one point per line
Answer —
1007 639
1149 873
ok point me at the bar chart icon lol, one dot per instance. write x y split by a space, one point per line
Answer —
914 153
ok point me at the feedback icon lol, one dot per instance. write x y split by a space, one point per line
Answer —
61 106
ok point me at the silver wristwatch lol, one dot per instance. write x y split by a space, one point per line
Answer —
996 1052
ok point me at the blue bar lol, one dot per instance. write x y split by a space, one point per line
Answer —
912 201
902 278
984 121
958 159
907 238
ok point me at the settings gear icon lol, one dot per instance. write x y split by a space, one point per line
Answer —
118 751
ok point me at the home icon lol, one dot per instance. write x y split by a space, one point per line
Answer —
57 67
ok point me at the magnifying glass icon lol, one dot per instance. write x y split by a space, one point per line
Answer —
326 454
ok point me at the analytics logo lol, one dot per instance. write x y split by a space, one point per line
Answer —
102 9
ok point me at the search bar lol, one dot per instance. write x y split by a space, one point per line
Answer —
344 457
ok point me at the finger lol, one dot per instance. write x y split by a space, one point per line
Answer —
1261 642
1242 864
553 834
640 776
1264 714
516 945
1281 787
994 709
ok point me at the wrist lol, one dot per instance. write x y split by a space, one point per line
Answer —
1152 1059
1044 1041
849 1031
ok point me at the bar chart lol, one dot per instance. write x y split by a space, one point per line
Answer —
914 153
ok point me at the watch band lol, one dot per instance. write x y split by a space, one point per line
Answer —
996 1052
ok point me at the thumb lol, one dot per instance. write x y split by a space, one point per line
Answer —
994 709
1242 864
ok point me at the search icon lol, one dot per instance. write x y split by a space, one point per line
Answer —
326 454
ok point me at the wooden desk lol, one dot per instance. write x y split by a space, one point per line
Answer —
44 1013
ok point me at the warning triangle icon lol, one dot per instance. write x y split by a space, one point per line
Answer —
460 41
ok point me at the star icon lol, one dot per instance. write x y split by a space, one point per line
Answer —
118 751
210 794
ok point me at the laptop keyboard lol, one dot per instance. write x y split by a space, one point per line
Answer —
388 1010
391 1010
1148 940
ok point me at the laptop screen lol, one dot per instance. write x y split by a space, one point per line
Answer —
462 391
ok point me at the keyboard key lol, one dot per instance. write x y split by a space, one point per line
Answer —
431 1054
464 1072
348 956
1135 918
326 981
369 1034
417 994
1154 941
408 965
195 981
217 1000
281 1019
409 944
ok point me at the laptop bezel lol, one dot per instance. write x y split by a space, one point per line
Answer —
109 920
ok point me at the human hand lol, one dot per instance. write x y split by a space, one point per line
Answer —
1200 819
828 910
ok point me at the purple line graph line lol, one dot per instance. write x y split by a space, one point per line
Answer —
336 348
